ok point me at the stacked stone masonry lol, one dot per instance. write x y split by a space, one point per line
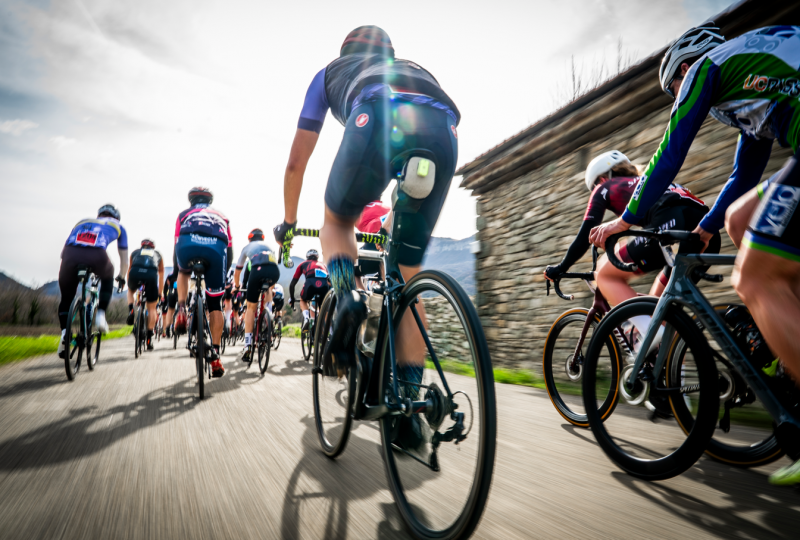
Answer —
528 223
445 330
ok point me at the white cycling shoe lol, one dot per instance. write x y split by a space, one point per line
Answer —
100 321
61 347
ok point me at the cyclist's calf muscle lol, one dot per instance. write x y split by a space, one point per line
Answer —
738 215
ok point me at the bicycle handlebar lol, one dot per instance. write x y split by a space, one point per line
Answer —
573 275
285 255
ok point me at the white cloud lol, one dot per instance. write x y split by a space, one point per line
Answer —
16 127
62 142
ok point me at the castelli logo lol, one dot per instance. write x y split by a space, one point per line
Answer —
362 120
455 133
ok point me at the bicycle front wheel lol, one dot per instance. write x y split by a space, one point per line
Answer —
645 444
276 340
440 487
93 342
75 339
562 367
332 387
306 339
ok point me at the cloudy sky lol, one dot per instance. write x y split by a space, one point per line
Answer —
136 101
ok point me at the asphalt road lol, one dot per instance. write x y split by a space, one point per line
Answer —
128 451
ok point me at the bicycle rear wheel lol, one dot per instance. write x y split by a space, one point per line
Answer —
440 487
264 345
652 446
750 440
306 340
75 340
332 389
174 337
563 372
200 354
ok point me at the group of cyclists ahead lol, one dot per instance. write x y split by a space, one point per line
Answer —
391 107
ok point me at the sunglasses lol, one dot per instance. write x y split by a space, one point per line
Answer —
669 86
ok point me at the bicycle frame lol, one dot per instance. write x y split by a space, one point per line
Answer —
681 291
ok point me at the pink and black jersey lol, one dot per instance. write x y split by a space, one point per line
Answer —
615 193
203 220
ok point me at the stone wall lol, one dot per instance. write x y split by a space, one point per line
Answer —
445 330
528 223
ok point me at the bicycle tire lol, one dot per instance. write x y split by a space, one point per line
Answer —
93 348
264 344
174 337
200 354
222 345
305 341
756 454
73 345
469 516
689 451
276 340
331 445
577 316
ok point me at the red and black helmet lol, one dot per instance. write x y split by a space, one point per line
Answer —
148 242
367 39
200 194
256 234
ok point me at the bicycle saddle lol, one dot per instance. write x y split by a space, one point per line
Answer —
83 269
198 266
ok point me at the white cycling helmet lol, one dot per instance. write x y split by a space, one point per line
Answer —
602 164
687 48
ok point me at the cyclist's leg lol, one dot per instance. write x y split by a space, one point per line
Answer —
739 213
67 283
613 282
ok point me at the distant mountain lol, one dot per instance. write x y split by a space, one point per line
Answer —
50 289
455 257
8 283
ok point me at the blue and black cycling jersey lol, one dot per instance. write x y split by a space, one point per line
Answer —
355 79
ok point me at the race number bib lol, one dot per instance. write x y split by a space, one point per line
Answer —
86 238
320 273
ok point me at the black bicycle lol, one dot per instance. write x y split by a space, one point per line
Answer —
81 336
140 324
708 355
438 432
200 334
309 328
262 331
277 332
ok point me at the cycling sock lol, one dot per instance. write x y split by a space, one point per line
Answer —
248 339
305 314
216 347
412 374
62 320
642 323
130 307
342 277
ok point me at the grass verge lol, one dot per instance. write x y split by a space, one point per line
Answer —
13 348
521 377
291 330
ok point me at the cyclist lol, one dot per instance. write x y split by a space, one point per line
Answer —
316 282
263 269
146 268
86 246
204 232
751 84
391 109
611 178
371 220
169 301
277 301
228 299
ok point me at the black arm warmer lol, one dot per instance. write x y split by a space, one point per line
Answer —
174 275
291 289
230 259
580 245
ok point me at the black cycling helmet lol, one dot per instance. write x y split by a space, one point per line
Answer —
312 254
687 48
199 194
256 234
110 210
367 39
147 242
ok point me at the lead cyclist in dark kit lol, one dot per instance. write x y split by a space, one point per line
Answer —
388 106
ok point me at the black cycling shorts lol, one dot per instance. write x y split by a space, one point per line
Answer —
775 225
314 287
646 253
366 163
172 298
366 267
147 276
277 305
228 291
264 273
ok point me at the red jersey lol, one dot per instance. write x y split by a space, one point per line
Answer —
311 270
372 217
615 193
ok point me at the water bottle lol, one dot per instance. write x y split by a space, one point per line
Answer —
368 331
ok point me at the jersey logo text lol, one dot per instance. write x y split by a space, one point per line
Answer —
761 83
